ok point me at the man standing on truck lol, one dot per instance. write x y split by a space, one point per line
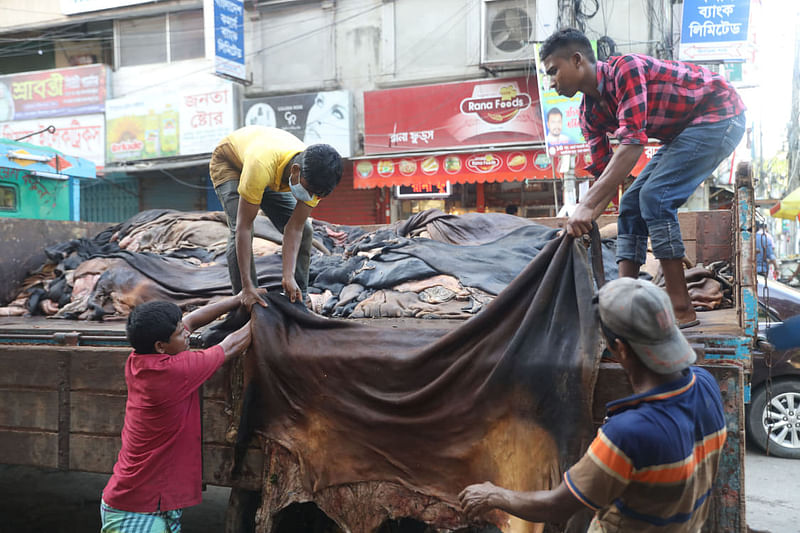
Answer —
158 471
259 167
652 465
695 113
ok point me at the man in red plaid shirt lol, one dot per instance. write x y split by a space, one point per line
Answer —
695 113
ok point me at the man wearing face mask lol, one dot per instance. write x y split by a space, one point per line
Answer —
259 167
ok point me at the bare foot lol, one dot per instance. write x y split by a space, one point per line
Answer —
686 318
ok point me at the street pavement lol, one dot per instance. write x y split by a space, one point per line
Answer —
772 487
46 501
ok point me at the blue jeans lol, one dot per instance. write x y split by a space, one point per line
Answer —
278 206
650 205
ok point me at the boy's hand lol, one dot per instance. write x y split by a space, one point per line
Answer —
237 342
250 296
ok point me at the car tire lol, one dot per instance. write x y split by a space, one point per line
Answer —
784 412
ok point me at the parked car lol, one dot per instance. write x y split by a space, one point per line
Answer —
773 414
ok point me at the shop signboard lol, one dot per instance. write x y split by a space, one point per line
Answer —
183 120
229 38
438 169
560 115
715 30
323 117
82 136
453 115
423 190
53 93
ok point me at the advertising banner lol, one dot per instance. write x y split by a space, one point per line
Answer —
560 115
452 115
53 93
715 30
179 121
82 136
324 117
478 167
229 38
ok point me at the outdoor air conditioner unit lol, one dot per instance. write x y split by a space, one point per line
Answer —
508 28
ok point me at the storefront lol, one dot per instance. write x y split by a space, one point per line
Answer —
463 147
459 147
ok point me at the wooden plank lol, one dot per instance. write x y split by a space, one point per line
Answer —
29 409
93 453
28 366
215 422
217 460
715 232
690 250
216 386
36 448
97 413
63 368
612 384
99 369
727 500
688 223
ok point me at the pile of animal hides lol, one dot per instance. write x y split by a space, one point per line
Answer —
433 265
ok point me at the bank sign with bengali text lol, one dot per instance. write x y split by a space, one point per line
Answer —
229 38
715 30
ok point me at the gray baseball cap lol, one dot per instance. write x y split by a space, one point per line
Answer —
641 314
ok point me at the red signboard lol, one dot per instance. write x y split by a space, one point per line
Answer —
477 167
475 113
53 93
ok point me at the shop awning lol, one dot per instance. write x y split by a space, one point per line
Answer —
43 161
490 166
788 207
455 167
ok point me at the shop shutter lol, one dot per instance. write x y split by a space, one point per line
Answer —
109 199
349 206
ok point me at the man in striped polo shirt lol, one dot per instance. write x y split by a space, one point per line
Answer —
652 465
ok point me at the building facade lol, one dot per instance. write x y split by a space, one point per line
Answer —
389 83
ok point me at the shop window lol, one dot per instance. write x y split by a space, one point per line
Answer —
8 198
161 39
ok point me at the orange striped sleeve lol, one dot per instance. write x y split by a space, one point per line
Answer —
610 458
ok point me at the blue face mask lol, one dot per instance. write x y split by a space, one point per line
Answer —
299 191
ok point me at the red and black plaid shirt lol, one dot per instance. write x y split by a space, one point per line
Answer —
645 97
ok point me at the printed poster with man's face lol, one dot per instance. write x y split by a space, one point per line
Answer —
323 117
560 116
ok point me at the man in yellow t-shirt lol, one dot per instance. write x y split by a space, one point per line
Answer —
258 167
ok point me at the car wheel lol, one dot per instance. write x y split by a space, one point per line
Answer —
780 420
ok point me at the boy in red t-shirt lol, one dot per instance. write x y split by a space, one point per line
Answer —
158 470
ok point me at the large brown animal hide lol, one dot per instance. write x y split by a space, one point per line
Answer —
505 397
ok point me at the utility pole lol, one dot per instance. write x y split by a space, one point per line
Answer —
794 122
